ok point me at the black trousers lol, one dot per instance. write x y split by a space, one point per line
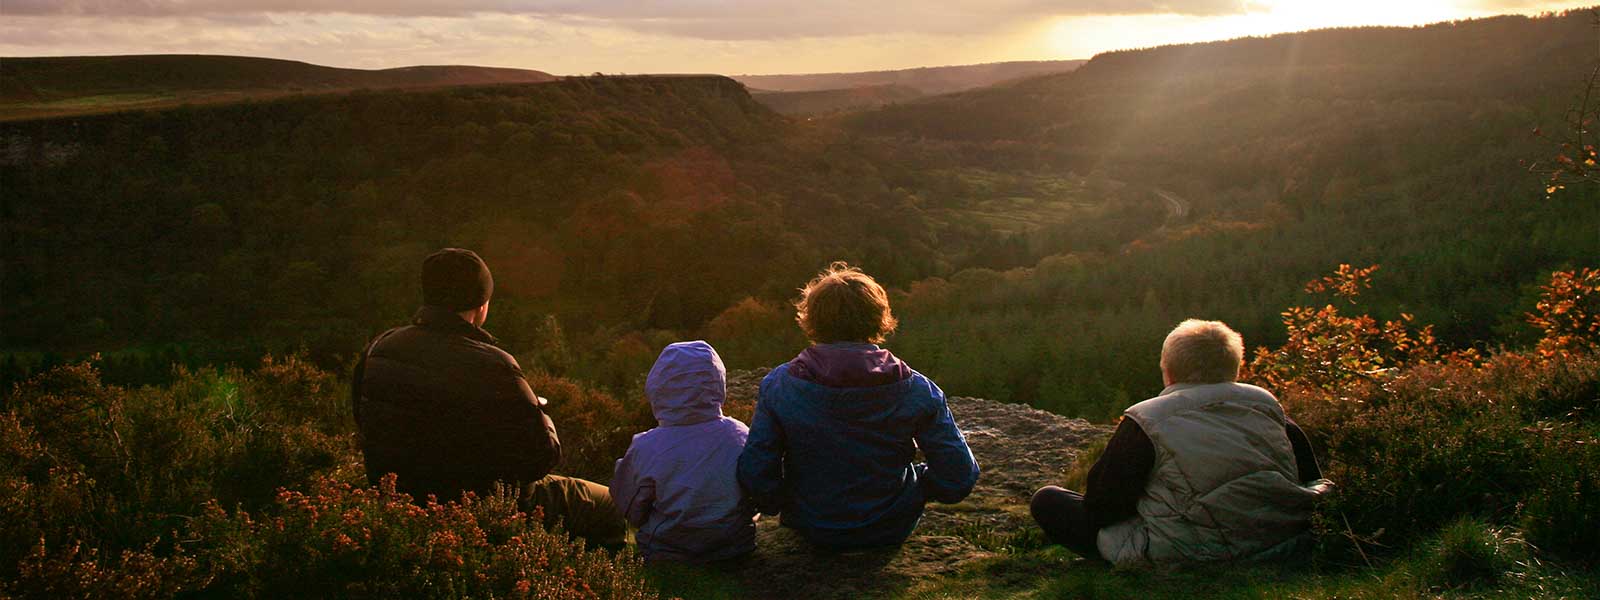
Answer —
1065 520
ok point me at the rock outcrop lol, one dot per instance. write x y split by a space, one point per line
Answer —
1018 449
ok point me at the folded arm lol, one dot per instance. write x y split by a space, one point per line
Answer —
633 495
521 435
761 463
952 471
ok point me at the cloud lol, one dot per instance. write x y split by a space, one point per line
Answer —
700 19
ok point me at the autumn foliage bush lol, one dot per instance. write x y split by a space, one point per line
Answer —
1418 438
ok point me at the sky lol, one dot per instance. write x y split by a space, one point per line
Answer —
683 36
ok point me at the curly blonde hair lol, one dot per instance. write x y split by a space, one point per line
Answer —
842 304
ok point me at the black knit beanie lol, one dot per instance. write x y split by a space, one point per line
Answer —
456 279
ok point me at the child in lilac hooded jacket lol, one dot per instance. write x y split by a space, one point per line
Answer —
677 483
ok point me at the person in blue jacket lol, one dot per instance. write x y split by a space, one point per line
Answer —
833 444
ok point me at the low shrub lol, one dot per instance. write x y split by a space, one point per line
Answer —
1511 439
187 488
344 541
595 427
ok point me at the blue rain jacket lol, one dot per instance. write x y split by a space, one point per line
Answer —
677 481
839 463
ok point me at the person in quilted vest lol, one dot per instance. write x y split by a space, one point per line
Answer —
1210 470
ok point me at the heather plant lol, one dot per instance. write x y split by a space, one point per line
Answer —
93 471
160 491
339 540
78 571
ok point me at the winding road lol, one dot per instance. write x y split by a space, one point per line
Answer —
1177 207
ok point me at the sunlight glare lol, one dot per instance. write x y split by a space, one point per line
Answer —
1081 37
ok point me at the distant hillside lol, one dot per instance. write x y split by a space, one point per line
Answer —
927 80
1298 152
610 204
828 101
46 86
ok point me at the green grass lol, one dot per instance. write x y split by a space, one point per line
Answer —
1467 560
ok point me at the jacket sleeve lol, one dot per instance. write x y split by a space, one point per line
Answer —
1117 479
952 471
539 446
360 375
356 376
516 438
633 493
761 463
1305 460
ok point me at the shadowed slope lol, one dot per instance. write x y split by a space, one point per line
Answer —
54 86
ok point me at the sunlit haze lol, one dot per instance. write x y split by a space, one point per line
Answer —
720 36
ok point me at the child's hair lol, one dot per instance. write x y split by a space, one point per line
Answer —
842 304
1202 352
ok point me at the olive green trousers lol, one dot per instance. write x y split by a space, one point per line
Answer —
582 508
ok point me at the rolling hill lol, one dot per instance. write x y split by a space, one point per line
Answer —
927 80
55 86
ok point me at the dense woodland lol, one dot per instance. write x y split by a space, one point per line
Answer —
632 210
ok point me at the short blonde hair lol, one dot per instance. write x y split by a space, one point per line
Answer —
1202 352
842 304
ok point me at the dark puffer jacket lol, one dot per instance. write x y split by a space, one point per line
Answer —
438 404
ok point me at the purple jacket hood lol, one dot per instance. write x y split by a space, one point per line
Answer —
677 482
687 384
849 365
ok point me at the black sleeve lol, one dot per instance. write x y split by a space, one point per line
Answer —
1116 481
1304 459
355 385
539 446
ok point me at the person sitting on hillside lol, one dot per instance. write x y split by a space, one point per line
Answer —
441 406
836 430
1210 470
677 482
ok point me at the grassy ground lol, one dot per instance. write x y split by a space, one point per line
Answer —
1468 560
1438 572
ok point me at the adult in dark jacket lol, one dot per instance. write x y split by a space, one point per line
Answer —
833 442
440 405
